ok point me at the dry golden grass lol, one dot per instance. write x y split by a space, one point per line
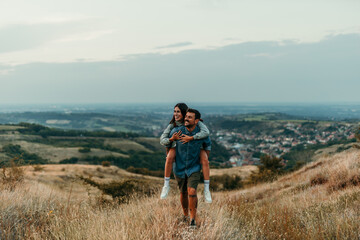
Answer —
55 174
319 201
324 152
296 206
244 171
38 211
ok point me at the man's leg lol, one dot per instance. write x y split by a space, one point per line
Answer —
192 203
184 200
170 158
193 182
204 160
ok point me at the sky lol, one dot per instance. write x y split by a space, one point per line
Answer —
168 51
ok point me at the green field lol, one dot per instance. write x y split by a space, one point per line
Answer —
9 128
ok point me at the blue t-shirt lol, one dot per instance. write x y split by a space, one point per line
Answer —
188 154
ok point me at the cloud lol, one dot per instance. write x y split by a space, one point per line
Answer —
19 37
85 36
303 72
175 45
264 54
6 71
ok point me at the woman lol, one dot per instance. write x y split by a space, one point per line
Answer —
178 120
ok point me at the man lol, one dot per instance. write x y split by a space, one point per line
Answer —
187 166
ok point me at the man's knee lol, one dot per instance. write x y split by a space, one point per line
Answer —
192 192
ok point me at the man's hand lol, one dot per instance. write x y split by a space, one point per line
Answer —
185 138
175 136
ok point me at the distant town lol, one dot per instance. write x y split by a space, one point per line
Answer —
245 148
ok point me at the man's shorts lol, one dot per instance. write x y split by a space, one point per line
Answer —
186 182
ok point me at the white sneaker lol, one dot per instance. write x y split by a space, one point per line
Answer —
164 192
207 196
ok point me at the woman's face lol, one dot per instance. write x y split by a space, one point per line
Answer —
177 114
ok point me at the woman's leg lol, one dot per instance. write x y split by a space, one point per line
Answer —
170 158
204 161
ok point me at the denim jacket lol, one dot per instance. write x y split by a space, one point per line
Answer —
188 154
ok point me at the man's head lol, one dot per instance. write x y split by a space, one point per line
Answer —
192 118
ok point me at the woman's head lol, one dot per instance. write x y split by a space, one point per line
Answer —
179 113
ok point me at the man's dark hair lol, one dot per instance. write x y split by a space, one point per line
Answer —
197 113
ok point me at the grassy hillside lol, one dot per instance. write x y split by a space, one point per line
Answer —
125 122
319 201
37 144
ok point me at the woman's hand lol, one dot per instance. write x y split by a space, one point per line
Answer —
185 138
175 136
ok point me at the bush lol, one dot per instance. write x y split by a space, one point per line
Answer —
145 171
38 168
17 152
342 183
318 179
69 160
124 190
12 175
263 176
36 129
85 150
225 182
105 163
342 148
269 170
152 161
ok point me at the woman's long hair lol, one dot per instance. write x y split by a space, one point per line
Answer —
183 108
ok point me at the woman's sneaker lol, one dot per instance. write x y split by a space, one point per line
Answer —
207 196
164 192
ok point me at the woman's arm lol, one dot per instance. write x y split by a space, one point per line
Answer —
204 133
164 138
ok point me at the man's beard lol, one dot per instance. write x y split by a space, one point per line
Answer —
187 124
